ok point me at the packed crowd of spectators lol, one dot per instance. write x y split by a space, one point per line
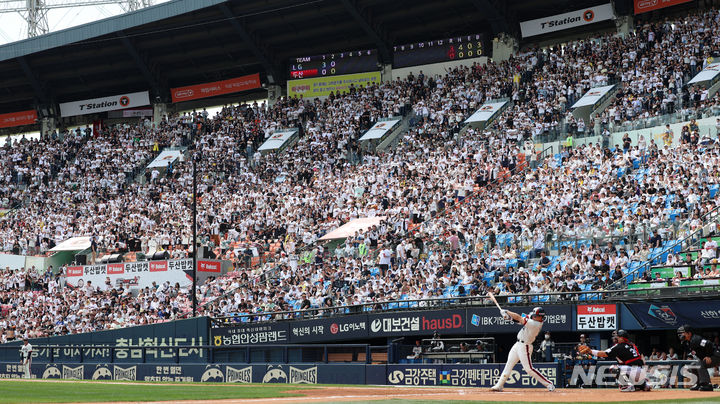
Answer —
463 215
36 304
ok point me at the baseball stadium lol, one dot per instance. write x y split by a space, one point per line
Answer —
324 201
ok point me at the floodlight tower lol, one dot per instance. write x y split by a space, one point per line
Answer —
35 12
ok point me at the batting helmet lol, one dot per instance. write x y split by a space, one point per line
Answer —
537 311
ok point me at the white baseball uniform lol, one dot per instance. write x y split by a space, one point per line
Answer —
522 351
26 354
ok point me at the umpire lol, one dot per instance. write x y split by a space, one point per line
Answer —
708 355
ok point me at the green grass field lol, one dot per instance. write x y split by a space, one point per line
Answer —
12 391
399 401
68 392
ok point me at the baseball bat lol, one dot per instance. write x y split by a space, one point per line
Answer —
492 297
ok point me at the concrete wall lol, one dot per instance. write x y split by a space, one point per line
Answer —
12 261
706 125
433 69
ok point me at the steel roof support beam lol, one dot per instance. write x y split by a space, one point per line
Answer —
261 52
153 80
376 34
495 16
38 88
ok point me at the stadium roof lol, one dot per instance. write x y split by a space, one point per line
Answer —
186 42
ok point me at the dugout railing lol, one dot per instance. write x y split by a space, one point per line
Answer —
693 292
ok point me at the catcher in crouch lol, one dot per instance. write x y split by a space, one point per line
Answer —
523 348
631 376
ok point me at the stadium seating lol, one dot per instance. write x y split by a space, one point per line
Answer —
464 214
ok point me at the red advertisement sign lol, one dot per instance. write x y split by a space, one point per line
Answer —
643 6
115 269
158 266
216 88
74 271
209 266
596 309
18 118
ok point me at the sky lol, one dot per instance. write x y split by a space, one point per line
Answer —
13 27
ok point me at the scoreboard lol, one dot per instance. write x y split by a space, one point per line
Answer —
332 64
441 50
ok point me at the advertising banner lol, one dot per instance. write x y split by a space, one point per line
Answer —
487 112
563 21
485 375
205 90
164 158
329 329
707 281
647 285
484 320
136 113
323 86
709 73
103 104
643 6
669 272
209 266
417 323
132 274
596 317
379 130
593 96
231 373
173 340
277 140
21 118
252 334
131 113
671 315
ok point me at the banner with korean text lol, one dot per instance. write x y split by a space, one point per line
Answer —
131 274
323 86
596 317
21 118
643 6
205 90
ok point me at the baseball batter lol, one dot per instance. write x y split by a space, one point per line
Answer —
523 348
632 375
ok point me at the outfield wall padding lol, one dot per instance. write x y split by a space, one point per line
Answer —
481 375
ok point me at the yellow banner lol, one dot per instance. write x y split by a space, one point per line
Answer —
323 86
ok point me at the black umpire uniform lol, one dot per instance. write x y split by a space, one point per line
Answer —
705 351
